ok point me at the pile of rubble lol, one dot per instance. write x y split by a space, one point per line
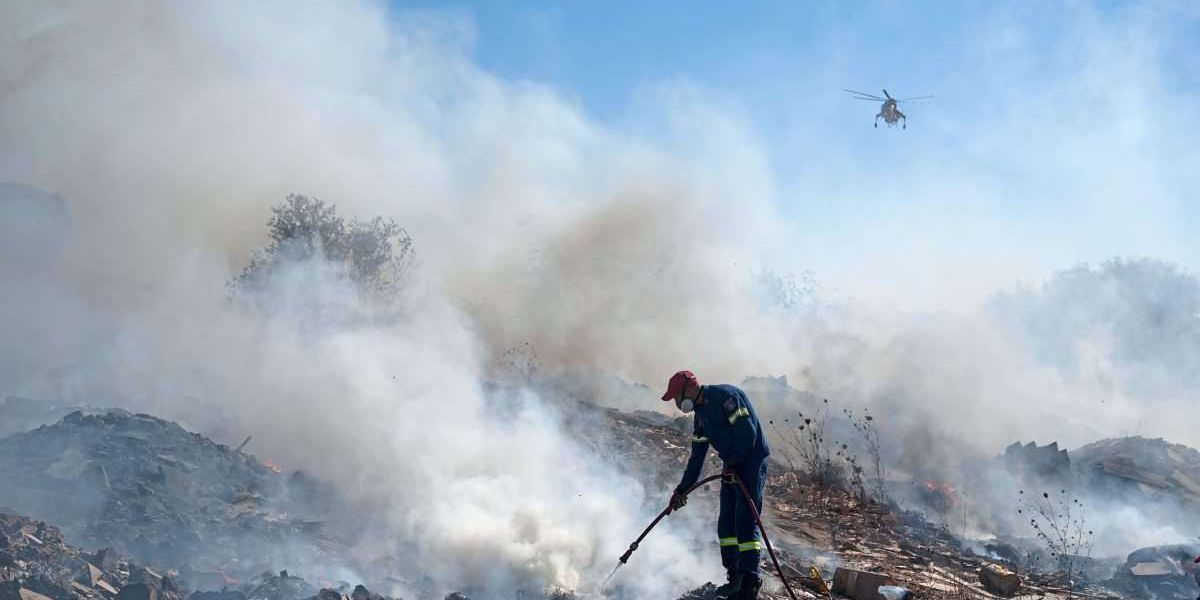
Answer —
1143 470
36 564
221 518
161 493
1158 572
1160 478
165 496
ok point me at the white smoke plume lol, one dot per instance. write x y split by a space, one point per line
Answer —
169 129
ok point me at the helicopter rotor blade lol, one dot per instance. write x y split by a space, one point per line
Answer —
864 95
889 96
915 98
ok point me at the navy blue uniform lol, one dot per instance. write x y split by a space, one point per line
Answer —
727 422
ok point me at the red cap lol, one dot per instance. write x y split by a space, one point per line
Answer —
677 383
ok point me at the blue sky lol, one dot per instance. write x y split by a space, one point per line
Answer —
777 58
1019 87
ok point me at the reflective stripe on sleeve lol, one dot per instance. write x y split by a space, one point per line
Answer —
748 546
741 412
699 440
729 541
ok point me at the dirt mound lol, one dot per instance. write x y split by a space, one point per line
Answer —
156 491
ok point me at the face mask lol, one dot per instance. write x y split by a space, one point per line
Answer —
686 405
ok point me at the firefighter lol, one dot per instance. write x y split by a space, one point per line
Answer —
725 420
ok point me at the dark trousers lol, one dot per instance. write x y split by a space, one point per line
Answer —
736 530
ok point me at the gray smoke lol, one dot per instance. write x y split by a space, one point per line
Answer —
168 130
171 129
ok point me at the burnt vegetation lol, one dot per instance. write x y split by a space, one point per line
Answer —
375 255
1059 523
807 450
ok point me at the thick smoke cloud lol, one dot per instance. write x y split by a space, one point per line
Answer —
1134 324
169 129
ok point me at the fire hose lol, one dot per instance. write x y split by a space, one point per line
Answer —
753 511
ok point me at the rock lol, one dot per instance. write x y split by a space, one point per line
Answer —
859 585
999 580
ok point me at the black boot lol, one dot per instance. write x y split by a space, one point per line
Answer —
750 586
731 587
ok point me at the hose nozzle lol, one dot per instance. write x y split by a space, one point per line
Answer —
629 552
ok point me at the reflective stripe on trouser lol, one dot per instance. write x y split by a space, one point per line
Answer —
736 520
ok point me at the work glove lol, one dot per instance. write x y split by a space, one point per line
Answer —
728 475
678 501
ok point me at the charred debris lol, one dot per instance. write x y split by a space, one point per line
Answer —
155 512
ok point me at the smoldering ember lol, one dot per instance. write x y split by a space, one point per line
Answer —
466 300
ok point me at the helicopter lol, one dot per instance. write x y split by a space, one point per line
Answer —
889 110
